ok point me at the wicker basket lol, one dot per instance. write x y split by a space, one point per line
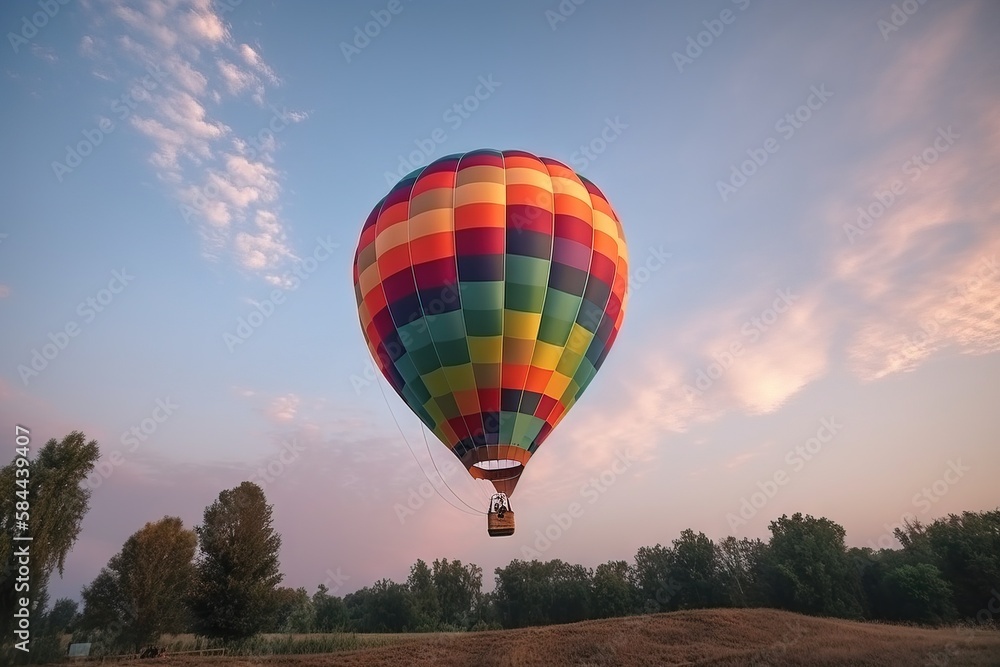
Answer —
500 527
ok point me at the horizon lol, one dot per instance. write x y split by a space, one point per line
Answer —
808 195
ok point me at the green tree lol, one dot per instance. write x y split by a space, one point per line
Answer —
62 615
542 593
653 581
458 590
966 549
695 565
143 587
918 593
292 611
740 567
425 595
56 504
613 594
384 607
237 568
522 594
331 612
571 585
808 569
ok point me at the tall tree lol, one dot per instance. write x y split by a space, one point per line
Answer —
966 549
458 590
740 563
331 612
808 569
390 608
652 578
537 593
62 616
143 588
425 594
918 593
56 506
613 592
522 594
237 568
571 592
292 611
696 567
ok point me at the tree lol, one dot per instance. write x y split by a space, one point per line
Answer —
425 595
385 607
143 588
57 504
808 569
331 612
538 593
613 594
392 607
696 568
740 567
569 599
653 582
522 594
237 568
458 590
918 594
292 611
103 608
966 549
62 616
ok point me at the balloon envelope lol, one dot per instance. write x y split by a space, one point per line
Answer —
490 288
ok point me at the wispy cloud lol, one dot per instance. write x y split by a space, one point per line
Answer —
283 408
721 362
918 235
227 185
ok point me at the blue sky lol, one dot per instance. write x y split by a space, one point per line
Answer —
173 169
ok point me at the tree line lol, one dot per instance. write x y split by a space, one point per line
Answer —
221 579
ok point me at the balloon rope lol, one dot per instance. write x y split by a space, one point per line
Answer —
410 449
423 431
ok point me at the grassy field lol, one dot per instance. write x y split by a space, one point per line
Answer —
704 637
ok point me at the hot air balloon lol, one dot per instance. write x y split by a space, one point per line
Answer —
490 287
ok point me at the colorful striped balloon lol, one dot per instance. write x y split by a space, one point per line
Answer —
491 286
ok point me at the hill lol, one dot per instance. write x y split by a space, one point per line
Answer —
703 637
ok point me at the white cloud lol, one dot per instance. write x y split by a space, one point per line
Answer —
187 76
203 25
254 60
46 53
232 198
283 408
150 23
168 141
236 79
265 248
88 47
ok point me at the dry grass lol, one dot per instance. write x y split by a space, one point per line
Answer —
705 637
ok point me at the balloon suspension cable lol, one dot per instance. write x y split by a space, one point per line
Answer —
410 449
423 431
